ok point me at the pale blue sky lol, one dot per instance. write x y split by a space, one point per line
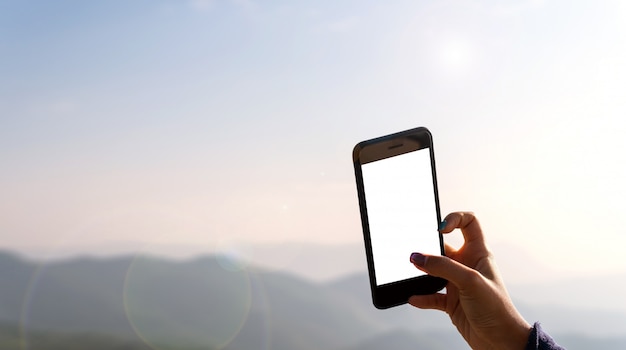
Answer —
206 122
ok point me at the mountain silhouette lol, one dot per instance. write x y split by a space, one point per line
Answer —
213 302
208 301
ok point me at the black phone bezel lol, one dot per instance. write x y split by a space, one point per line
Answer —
395 293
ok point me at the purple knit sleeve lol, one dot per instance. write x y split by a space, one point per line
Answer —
540 340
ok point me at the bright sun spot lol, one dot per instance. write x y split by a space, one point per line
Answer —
455 56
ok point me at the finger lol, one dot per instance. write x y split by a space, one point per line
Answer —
444 267
468 224
450 250
435 301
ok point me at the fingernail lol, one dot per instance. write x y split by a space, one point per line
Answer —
442 225
418 259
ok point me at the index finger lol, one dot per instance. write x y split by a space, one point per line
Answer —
467 222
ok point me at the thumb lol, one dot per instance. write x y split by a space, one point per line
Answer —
444 267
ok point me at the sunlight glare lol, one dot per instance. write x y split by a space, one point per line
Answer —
455 56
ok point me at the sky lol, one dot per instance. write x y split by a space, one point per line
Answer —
224 123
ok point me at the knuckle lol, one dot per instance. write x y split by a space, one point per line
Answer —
471 279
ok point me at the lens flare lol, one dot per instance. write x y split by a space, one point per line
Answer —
257 329
26 307
195 303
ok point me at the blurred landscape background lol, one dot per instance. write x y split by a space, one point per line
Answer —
215 302
176 174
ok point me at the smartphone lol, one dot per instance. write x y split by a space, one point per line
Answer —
399 204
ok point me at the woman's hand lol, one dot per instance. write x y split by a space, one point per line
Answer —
476 299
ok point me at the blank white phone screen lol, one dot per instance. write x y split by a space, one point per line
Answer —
402 213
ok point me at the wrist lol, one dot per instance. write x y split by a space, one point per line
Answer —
519 335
